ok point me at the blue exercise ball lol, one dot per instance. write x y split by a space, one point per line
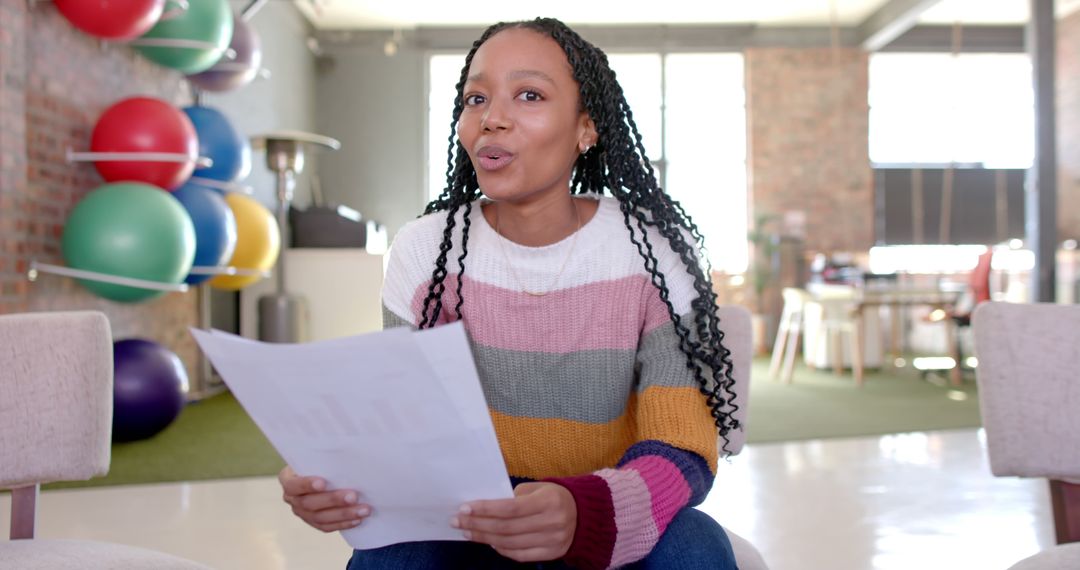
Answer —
221 142
149 388
215 227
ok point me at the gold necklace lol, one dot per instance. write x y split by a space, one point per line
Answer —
521 284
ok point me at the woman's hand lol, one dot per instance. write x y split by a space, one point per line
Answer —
325 510
537 524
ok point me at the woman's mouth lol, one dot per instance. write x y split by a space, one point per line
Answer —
491 158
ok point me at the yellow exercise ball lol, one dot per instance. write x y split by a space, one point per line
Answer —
258 241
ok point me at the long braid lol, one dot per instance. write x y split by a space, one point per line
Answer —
618 164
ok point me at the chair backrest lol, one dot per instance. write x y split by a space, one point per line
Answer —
735 321
794 297
55 397
1029 387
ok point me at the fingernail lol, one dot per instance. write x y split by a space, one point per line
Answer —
357 522
363 512
465 510
468 535
455 522
350 497
318 485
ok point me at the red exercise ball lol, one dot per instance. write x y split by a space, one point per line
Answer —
112 19
145 124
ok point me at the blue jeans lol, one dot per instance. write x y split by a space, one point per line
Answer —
692 541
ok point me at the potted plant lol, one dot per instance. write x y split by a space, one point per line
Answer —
763 273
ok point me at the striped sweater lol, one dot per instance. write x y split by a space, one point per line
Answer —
586 385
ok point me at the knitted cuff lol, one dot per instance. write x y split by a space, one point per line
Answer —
594 537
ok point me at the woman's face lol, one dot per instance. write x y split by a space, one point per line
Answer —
522 124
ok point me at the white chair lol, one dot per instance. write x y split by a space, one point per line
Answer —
1029 394
788 333
832 324
735 321
834 331
56 425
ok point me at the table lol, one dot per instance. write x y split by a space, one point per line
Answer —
858 299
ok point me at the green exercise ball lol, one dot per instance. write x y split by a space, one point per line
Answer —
129 229
206 21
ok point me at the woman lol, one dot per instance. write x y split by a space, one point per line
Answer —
592 323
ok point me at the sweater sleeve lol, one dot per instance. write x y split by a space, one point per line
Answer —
402 277
623 511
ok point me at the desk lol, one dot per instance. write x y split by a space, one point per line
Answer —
856 301
897 298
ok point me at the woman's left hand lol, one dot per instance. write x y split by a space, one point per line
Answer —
537 524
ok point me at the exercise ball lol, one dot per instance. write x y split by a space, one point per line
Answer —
231 73
118 20
129 229
149 388
145 124
258 241
219 141
215 227
206 22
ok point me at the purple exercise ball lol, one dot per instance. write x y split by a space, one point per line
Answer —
149 388
228 74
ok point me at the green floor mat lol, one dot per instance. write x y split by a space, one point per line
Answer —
215 439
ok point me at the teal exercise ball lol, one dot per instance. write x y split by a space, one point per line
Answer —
209 22
129 229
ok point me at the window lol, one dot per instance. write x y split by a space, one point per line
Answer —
444 71
691 112
936 108
958 123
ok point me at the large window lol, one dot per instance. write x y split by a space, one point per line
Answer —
691 112
934 108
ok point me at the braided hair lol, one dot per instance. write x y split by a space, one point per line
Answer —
616 163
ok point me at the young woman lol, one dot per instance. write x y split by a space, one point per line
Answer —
592 323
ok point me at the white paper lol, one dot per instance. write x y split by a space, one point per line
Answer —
397 415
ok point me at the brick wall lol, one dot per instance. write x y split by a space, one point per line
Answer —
808 148
54 82
1068 126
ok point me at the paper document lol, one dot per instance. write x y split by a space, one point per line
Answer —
397 415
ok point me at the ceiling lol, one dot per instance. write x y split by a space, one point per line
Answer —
408 14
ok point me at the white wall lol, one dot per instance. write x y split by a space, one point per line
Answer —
286 100
376 106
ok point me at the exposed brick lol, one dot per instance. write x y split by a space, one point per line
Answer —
808 142
54 82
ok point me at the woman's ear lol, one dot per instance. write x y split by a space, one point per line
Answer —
587 135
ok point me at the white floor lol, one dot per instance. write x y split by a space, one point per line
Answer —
921 500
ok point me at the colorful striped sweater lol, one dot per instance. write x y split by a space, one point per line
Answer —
586 385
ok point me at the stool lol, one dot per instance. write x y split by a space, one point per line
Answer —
840 322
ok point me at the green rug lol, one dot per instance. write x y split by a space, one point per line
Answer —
821 404
211 439
215 439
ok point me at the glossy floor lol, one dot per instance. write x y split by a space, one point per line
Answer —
920 500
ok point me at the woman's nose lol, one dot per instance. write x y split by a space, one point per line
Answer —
494 118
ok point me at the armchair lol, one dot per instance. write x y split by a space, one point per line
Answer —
56 425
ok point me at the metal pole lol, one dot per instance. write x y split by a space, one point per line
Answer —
286 181
1040 224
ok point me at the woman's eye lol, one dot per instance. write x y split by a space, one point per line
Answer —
531 96
471 100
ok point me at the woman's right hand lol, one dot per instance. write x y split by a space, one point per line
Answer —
327 511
